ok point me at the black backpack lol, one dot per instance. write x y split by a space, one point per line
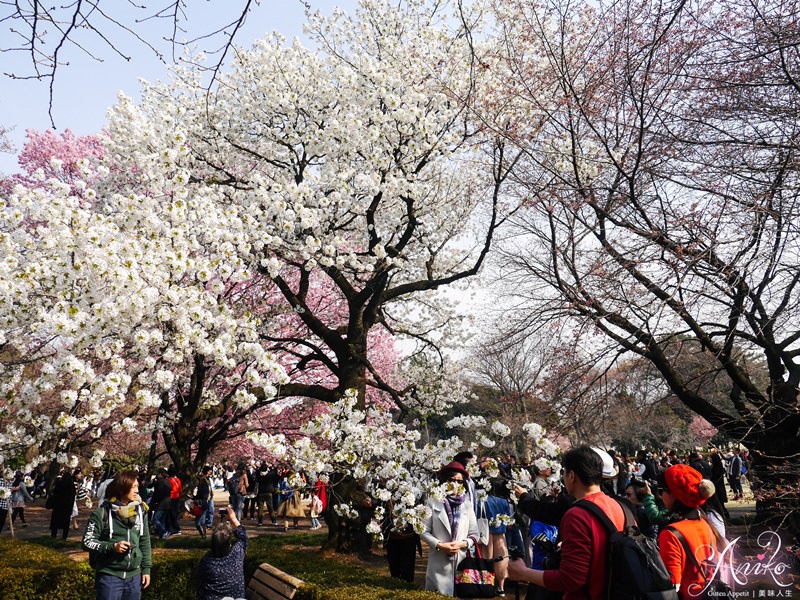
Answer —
93 554
233 485
635 568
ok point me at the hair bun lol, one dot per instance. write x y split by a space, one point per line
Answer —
706 489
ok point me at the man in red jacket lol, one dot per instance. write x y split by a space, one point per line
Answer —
584 540
173 523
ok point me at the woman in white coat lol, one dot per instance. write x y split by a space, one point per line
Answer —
448 530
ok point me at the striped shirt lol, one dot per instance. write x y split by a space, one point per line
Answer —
5 494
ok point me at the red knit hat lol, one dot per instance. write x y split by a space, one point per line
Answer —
687 485
453 467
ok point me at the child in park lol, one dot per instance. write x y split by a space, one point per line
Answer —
316 510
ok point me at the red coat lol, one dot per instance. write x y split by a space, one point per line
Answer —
322 494
177 488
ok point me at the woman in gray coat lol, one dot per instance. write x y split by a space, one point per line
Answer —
448 530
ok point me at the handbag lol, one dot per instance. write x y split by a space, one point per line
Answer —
195 507
483 524
474 575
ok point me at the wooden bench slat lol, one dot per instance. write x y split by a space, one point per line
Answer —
268 568
256 591
270 583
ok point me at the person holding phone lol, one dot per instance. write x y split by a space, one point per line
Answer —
118 540
220 572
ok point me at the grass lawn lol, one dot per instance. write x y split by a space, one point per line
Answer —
54 569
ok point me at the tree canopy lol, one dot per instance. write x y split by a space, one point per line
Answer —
661 183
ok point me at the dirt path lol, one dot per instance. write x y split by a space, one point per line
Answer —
38 523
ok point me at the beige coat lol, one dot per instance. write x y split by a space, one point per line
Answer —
293 507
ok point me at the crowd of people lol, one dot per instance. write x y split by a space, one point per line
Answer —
677 501
130 506
546 535
118 531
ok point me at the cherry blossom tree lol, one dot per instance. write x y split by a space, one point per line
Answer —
662 192
74 384
360 160
49 157
233 251
702 430
350 183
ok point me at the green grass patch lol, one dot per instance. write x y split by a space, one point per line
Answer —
40 569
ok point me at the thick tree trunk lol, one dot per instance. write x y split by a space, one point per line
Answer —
775 479
347 536
339 534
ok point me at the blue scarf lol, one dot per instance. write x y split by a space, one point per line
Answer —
452 506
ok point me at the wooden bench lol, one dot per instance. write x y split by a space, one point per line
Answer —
272 584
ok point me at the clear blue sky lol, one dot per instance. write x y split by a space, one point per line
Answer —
85 87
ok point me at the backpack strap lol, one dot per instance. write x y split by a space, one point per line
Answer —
603 517
688 551
107 520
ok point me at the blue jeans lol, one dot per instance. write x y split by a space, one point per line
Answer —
237 503
209 523
160 523
200 520
108 587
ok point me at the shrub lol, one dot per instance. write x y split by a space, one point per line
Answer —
31 571
172 577
39 569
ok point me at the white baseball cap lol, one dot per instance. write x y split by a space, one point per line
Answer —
610 468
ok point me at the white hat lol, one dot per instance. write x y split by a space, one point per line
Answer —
610 468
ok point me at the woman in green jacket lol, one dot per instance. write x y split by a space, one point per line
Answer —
118 540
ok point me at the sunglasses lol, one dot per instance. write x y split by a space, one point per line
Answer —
456 480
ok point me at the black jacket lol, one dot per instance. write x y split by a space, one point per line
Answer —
267 481
702 466
160 499
549 513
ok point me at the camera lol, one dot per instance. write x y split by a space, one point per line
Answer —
514 553
552 558
543 542
223 512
